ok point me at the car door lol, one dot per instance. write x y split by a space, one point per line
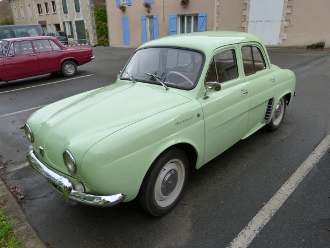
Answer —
21 61
49 55
225 111
261 82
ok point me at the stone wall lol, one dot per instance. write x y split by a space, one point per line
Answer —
5 11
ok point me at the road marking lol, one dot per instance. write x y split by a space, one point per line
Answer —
246 236
17 167
68 79
18 112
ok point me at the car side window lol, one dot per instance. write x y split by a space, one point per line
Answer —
41 46
223 67
253 60
21 48
54 45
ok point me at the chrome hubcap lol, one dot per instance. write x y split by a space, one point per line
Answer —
169 182
279 111
69 68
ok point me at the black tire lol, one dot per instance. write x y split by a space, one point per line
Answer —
164 183
278 116
69 68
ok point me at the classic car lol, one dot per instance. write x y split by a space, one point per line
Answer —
31 56
60 35
178 103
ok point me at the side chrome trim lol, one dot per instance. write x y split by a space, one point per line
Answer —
64 186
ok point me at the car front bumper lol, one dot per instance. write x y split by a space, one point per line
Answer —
64 186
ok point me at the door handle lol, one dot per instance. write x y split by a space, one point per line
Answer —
245 92
272 80
32 54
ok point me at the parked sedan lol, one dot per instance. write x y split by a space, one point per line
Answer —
61 36
179 102
32 56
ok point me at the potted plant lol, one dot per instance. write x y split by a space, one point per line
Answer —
184 3
122 7
147 6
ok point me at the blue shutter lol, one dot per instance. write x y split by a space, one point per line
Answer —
129 2
201 22
172 24
156 35
117 3
126 35
149 1
144 31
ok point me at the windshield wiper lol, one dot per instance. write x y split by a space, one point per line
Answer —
157 78
130 77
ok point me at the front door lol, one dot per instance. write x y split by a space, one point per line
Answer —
21 61
225 111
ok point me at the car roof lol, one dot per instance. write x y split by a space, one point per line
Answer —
204 41
31 38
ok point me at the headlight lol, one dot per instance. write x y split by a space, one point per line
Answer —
69 162
28 133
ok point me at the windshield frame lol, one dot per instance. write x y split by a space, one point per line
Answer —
124 76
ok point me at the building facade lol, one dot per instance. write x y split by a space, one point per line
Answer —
276 22
75 17
5 12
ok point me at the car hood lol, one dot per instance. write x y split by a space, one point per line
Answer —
79 124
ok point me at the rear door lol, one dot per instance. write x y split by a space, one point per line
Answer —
49 54
21 61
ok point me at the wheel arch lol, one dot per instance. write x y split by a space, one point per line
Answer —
70 59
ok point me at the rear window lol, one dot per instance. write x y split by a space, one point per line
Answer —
26 31
61 34
4 33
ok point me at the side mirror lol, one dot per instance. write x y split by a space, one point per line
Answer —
211 86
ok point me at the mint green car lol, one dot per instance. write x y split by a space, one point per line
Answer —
178 103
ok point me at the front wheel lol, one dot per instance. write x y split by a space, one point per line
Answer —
164 183
69 68
278 116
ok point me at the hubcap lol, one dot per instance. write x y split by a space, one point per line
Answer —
169 182
279 111
69 68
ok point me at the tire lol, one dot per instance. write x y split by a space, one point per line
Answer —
69 68
278 116
164 183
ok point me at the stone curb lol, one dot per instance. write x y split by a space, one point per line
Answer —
21 227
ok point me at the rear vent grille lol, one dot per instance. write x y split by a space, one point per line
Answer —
269 109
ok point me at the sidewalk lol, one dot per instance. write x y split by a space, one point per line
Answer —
22 228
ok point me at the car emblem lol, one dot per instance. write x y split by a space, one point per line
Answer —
41 150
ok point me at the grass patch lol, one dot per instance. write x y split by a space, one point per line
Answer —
7 237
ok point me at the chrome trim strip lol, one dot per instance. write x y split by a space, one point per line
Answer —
93 57
64 186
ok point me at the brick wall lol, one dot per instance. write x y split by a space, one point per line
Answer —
5 11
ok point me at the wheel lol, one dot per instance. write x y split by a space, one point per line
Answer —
278 116
69 68
164 183
178 78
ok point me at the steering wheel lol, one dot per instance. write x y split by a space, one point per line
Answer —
174 74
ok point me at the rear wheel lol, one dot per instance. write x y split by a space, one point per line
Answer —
69 68
278 116
164 183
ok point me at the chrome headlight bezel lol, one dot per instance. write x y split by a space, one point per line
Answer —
69 162
28 133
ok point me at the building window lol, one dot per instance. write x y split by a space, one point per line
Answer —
22 12
65 7
123 2
46 8
77 6
187 24
39 9
149 28
30 11
53 6
15 13
68 28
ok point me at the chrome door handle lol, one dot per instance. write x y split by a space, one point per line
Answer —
245 92
272 80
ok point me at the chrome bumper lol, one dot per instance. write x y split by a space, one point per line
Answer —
63 185
93 57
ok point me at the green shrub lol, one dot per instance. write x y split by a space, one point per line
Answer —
101 26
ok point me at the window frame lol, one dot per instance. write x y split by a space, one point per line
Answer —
53 7
39 7
261 52
193 26
46 8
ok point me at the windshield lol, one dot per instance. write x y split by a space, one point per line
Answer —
172 67
3 47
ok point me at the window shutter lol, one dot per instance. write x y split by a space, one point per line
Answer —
125 26
129 2
172 24
144 31
64 27
71 29
201 22
156 34
65 7
149 1
117 3
77 6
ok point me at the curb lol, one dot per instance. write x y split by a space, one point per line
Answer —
21 227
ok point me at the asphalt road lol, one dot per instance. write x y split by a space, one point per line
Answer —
221 198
